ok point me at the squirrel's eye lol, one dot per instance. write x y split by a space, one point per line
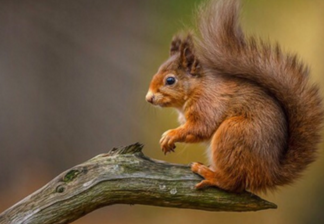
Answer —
170 81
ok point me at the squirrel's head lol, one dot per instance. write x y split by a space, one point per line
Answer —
177 77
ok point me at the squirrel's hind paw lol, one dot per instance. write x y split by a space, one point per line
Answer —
206 173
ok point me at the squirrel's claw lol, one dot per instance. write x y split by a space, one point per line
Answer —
167 142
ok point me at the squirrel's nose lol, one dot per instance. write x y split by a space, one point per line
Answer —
150 97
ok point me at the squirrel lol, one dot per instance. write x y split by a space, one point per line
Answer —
252 103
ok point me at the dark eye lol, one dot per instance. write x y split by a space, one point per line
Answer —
170 81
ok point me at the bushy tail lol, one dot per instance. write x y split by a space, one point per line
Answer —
224 48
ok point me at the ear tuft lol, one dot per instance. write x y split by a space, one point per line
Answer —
184 44
175 45
188 58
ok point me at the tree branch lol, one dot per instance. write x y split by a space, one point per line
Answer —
124 176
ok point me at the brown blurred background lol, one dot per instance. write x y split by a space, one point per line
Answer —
73 76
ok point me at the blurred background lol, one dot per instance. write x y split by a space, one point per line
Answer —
73 77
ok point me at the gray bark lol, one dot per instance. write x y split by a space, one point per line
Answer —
124 176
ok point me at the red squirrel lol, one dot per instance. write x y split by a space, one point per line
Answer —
251 102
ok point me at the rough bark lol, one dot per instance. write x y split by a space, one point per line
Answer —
124 176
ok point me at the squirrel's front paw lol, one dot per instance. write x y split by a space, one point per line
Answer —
167 141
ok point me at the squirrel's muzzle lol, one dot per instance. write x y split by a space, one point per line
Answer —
150 97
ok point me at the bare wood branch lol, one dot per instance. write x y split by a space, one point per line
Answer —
124 176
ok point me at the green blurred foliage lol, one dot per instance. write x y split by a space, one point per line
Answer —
299 28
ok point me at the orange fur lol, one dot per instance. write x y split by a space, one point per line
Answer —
249 100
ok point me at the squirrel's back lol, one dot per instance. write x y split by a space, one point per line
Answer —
223 48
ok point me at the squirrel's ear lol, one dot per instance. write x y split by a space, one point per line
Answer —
175 45
188 57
